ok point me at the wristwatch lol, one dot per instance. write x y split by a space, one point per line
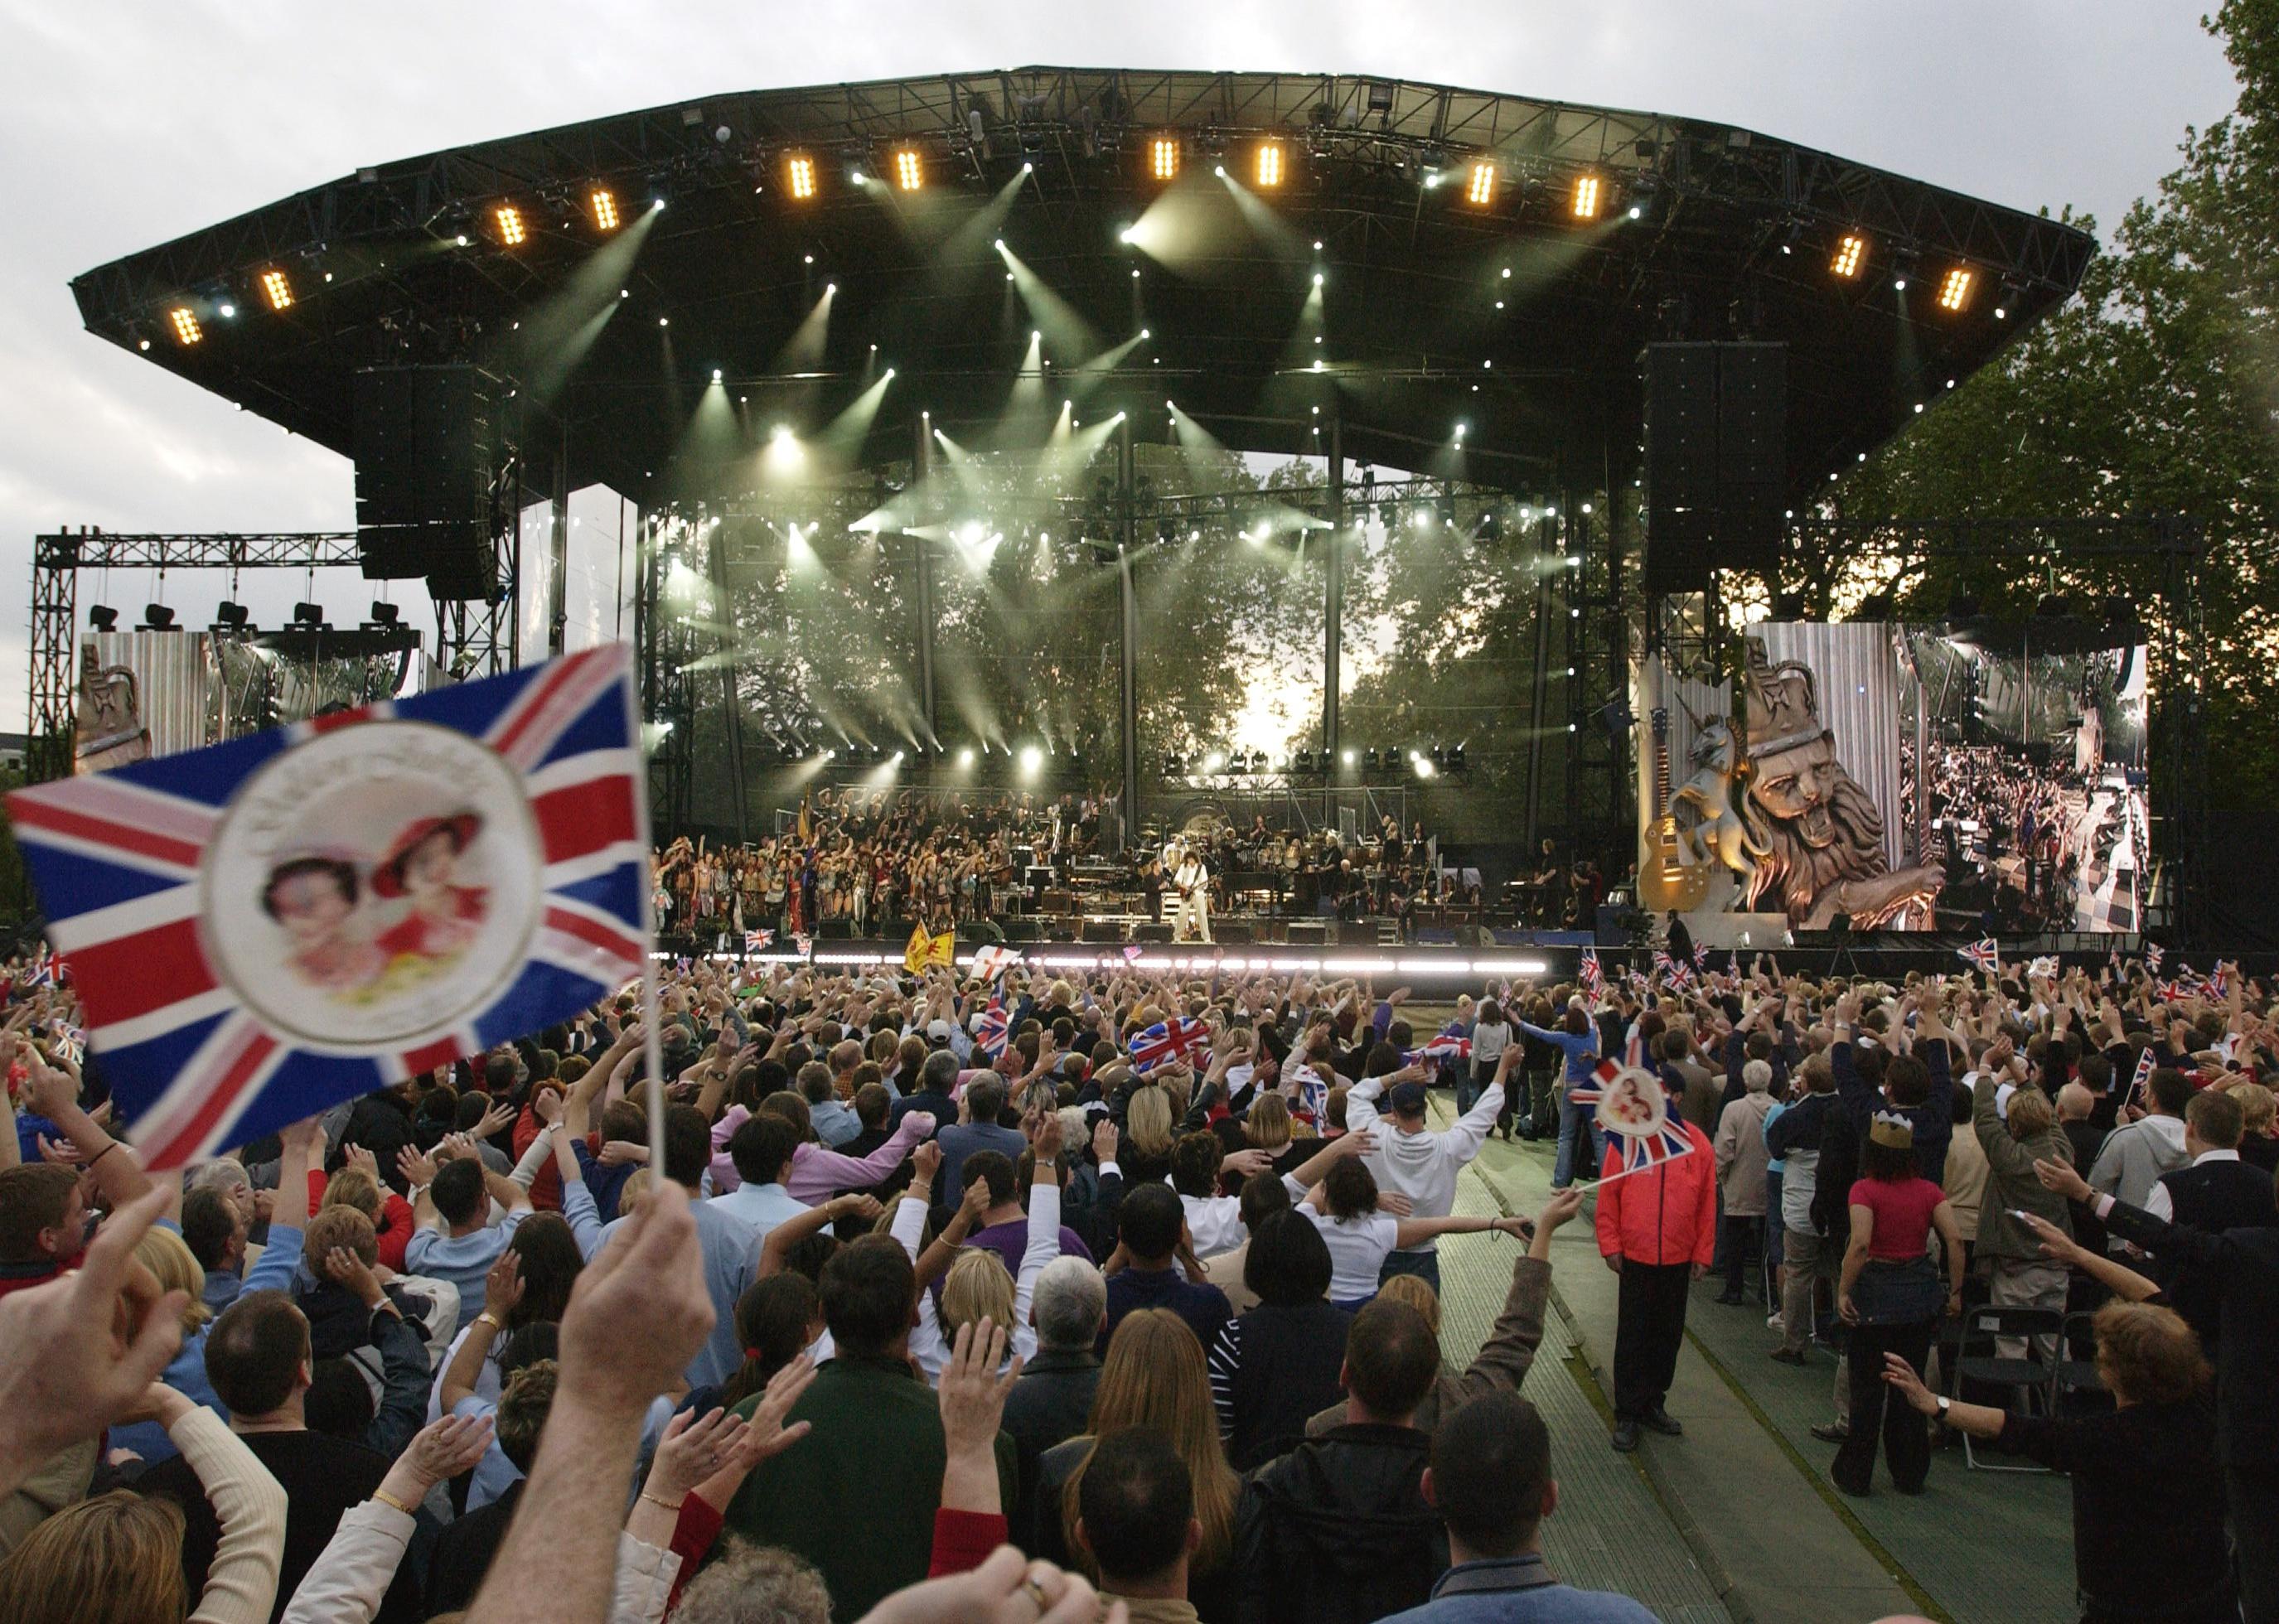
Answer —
1945 1405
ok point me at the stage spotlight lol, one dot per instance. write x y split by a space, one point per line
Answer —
158 617
276 289
965 757
1589 194
186 331
102 617
1423 764
1164 158
604 204
1482 190
1347 757
231 616
1851 255
384 613
909 168
1031 760
1954 288
508 219
308 614
1267 168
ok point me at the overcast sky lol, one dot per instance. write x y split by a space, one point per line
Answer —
123 125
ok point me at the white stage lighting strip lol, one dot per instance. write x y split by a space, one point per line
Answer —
1281 963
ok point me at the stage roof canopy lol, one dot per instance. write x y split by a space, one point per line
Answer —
1493 261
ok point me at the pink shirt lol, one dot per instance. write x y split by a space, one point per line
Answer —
816 1174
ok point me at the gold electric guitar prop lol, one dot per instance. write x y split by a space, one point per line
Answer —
1667 881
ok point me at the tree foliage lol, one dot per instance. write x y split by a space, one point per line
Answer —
2156 389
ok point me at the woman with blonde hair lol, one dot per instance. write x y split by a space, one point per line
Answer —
976 1286
1153 1376
1150 1131
117 1557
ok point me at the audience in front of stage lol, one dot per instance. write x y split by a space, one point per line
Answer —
824 1410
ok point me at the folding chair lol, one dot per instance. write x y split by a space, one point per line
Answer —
2070 1375
2027 1378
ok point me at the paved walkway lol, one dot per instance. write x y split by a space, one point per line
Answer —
1739 1518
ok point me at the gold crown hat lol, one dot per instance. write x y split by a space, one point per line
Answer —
1892 1131
1783 701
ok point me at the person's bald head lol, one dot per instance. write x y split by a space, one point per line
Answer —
2075 1103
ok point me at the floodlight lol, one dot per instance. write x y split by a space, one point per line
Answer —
799 176
1164 158
509 218
909 168
276 289
1267 168
604 204
1482 190
158 617
1954 288
186 331
1850 254
1585 201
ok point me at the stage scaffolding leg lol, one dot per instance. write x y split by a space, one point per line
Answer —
1547 538
558 583
1333 634
1128 635
732 718
922 572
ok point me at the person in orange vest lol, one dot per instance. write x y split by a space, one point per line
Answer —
1658 1230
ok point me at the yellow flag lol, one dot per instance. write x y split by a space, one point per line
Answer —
926 952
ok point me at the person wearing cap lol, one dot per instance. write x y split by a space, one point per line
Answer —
1891 1295
1414 1162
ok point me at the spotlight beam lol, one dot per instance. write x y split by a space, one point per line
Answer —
554 336
1068 333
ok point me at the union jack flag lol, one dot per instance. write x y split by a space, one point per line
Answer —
1132 952
1313 1090
1593 977
1702 956
758 941
1634 1050
802 943
1982 955
1679 977
2143 1075
990 1035
161 880
47 971
1589 1093
1446 1046
2153 954
1638 1152
1664 965
1166 1040
2217 987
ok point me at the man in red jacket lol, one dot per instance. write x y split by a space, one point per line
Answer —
1658 1230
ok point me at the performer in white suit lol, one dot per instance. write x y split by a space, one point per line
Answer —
1191 885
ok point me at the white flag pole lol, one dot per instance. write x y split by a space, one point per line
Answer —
653 1060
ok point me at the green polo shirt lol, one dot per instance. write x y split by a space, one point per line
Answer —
856 1496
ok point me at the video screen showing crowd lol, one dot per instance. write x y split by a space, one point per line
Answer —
1964 777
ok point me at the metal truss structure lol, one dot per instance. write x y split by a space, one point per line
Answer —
471 639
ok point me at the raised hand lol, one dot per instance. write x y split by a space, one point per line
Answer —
344 1268
503 1286
417 1170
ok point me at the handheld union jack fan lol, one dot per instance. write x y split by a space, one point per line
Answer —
267 927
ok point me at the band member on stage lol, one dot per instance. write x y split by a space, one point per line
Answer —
1191 885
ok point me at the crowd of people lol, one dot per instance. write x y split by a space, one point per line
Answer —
2014 832
878 861
902 1329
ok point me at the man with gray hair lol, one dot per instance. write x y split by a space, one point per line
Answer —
1052 1402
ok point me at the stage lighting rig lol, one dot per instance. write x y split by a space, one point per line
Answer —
1588 197
1482 189
277 290
1954 288
604 203
511 231
231 619
1267 166
158 617
185 323
384 613
311 617
909 168
1164 158
1850 257
102 617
